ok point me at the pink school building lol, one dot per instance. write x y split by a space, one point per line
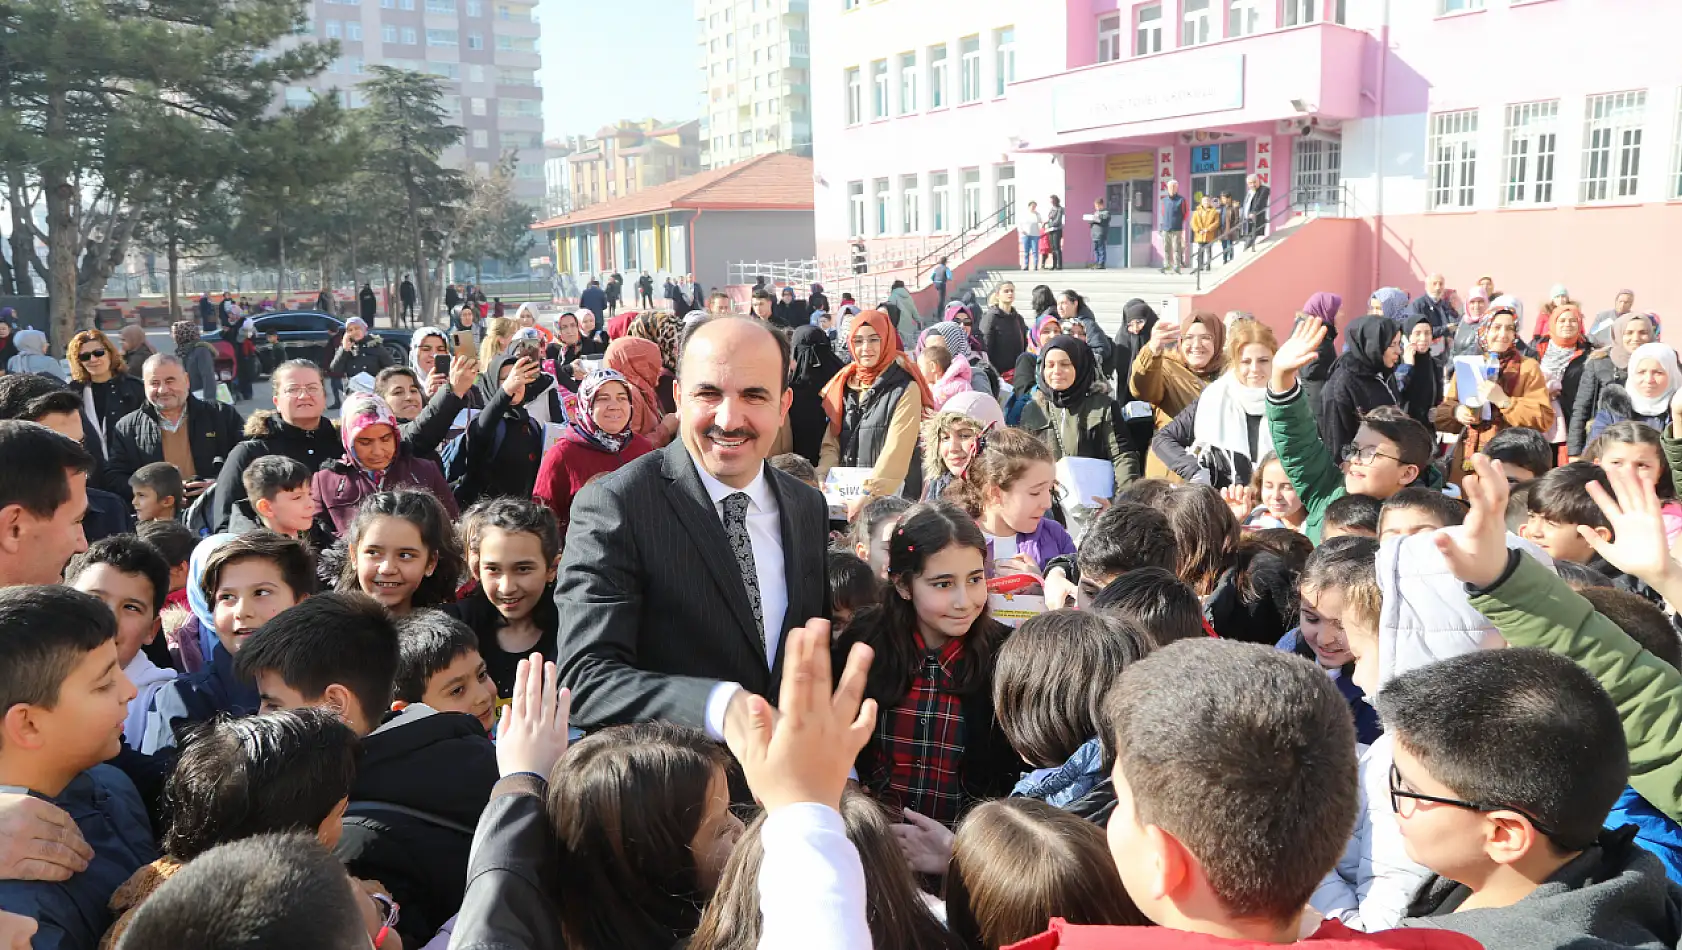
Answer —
1538 141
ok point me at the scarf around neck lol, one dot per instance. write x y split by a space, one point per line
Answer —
1220 419
1086 371
584 420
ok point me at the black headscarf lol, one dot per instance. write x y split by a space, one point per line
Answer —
1368 338
811 366
1137 309
1086 371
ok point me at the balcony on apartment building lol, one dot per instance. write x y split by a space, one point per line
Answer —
1244 83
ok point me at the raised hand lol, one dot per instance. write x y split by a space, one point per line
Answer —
462 373
926 843
1640 546
1299 349
1241 499
802 751
532 736
1477 550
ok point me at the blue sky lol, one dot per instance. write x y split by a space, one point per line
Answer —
638 56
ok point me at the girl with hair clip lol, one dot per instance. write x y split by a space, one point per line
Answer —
1009 489
937 748
900 917
402 551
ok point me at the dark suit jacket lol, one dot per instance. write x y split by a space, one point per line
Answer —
1256 210
654 612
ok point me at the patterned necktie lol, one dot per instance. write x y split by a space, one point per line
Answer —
736 529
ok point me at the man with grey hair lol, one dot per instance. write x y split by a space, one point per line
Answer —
1254 209
1172 221
173 426
1433 306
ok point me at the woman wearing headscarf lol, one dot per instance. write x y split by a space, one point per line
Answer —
1654 378
963 316
1388 302
1073 412
817 299
982 377
790 312
662 330
1222 436
1363 378
502 445
1605 368
1419 375
376 459
638 360
1323 307
1558 297
1515 396
875 406
1171 369
1471 324
812 364
1562 353
594 335
620 324
197 357
1046 327
598 440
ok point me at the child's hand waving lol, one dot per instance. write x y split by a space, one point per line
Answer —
533 734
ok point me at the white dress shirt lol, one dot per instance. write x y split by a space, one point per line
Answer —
765 534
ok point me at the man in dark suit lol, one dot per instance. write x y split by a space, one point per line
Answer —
685 570
1256 198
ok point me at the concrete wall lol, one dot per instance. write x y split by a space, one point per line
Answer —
721 238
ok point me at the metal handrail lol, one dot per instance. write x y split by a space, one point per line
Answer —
962 240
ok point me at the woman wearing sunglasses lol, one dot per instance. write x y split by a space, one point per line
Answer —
96 374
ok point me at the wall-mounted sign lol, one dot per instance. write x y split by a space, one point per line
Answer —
1130 166
1119 96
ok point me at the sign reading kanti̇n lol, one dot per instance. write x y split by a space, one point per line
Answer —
1163 90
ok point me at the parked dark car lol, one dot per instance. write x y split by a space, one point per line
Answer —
301 335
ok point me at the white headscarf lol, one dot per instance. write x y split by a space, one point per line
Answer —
1662 354
414 348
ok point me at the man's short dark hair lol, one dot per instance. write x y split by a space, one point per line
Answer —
785 349
795 464
1202 767
276 772
428 641
851 584
270 475
1155 601
1580 577
1523 447
297 567
1562 497
44 633
1359 512
1640 618
1127 537
174 540
760 293
1450 511
128 554
389 372
164 480
18 390
1045 713
38 463
347 639
876 513
59 402
271 892
1414 442
1521 728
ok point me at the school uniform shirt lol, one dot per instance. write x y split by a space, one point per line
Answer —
921 738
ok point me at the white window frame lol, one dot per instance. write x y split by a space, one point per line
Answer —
1197 23
1004 58
353 30
1612 133
1451 160
938 95
879 89
907 83
972 197
1243 18
1004 192
881 197
1675 191
910 204
854 87
1530 154
1109 37
1147 32
1300 12
475 41
1446 7
388 34
969 69
940 206
410 36
332 29
855 209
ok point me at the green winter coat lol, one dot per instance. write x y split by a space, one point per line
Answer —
1306 460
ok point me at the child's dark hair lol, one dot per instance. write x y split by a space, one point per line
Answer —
624 804
1640 618
128 555
1518 506
1519 729
293 560
174 540
875 513
44 633
1126 537
926 530
1207 533
1450 511
428 641
1580 577
438 535
164 480
1354 512
331 638
851 584
1415 443
1155 602
1630 432
1348 564
518 516
1046 713
1293 546
1291 740
1524 447
795 464
1144 491
1007 456
1562 497
279 771
270 475
387 374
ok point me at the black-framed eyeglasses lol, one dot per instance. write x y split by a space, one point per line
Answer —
86 355
1397 793
1366 456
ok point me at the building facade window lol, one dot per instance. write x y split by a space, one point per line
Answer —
388 34
1528 146
855 97
855 209
1004 58
1299 12
1109 38
1196 22
353 30
1458 6
1452 159
940 192
441 38
1147 33
910 205
1243 17
332 29
481 138
972 197
440 6
907 83
1005 192
879 89
1612 145
937 76
881 199
969 64
475 41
